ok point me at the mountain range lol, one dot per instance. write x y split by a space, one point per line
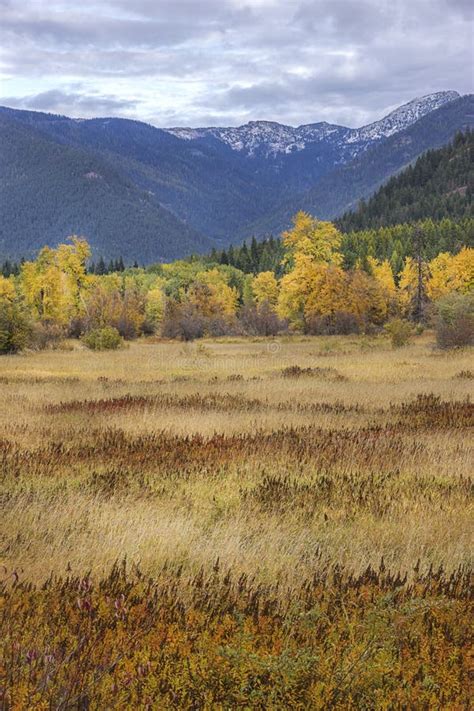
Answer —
156 194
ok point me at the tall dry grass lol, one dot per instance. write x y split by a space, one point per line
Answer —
281 460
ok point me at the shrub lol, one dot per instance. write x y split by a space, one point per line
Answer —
77 327
182 321
124 311
186 322
295 371
103 339
454 320
217 326
465 375
340 323
15 328
400 332
47 335
261 320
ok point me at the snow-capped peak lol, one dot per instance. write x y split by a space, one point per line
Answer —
404 116
269 138
263 137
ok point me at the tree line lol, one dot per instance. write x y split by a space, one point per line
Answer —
312 290
395 243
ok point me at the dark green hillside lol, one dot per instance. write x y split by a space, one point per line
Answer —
439 185
208 186
49 191
341 190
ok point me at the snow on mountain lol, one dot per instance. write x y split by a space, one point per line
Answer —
403 116
268 138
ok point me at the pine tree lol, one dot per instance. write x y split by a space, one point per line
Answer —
254 256
100 268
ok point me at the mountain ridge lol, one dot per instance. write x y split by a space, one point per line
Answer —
250 136
188 195
340 190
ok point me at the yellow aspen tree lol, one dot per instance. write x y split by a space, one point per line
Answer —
42 284
221 297
450 272
464 269
440 281
383 274
265 288
319 240
366 299
155 303
7 289
329 292
52 284
295 289
71 260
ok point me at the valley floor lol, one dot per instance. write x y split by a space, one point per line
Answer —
240 523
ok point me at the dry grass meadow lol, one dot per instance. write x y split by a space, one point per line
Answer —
290 520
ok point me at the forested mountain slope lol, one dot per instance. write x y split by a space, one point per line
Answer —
49 191
439 185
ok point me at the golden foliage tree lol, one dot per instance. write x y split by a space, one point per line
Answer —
265 288
316 239
328 294
296 288
212 295
309 245
7 289
451 272
366 299
52 285
155 304
383 275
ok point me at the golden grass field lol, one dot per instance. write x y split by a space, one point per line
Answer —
336 460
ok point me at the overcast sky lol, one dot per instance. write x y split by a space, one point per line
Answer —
225 62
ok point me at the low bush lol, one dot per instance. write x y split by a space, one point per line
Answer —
337 641
186 323
103 339
340 323
218 326
261 320
400 332
295 371
182 321
454 320
15 328
465 375
47 335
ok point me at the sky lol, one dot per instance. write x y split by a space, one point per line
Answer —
226 62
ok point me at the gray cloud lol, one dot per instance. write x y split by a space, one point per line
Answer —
228 61
353 21
465 7
58 101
